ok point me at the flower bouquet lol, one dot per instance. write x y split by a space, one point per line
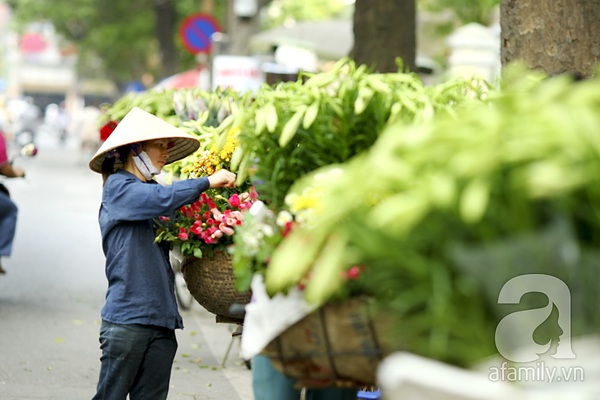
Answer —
209 223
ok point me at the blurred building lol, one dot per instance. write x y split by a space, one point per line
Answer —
475 52
313 45
39 64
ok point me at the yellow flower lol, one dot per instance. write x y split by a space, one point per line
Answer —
304 203
214 158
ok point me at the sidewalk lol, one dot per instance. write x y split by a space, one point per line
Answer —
197 371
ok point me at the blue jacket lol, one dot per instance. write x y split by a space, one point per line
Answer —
140 277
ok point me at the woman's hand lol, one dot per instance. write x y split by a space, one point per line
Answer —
11 172
19 172
222 178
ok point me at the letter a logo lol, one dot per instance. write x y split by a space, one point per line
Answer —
514 333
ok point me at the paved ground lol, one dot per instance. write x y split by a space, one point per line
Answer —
200 369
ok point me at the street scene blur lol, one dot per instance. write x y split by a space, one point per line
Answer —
413 214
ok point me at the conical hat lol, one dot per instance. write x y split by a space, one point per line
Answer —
139 126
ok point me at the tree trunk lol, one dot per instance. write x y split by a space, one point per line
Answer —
383 31
166 19
240 30
555 36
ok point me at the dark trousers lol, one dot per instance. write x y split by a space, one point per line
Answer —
136 360
8 224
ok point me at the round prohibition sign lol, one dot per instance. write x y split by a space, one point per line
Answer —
196 32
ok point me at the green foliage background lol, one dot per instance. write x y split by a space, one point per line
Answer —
448 211
115 39
118 39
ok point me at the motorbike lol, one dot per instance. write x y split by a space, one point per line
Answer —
28 150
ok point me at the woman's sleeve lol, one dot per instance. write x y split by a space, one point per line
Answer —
130 199
3 152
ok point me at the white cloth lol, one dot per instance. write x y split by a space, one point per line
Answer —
144 164
266 318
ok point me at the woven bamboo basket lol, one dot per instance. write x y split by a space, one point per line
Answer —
212 283
340 344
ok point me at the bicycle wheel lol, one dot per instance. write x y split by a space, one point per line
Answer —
182 293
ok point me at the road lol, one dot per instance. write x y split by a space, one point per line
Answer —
51 296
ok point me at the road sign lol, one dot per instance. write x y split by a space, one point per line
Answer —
196 31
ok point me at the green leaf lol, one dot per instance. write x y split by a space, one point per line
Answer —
236 158
365 95
261 121
311 114
326 274
223 139
321 80
474 201
291 127
401 212
227 122
292 259
337 109
242 172
375 81
441 189
271 117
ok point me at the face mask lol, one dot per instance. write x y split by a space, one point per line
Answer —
143 163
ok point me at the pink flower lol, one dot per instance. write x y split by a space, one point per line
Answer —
287 228
216 234
353 272
234 200
216 214
226 230
233 218
253 194
209 236
231 221
162 218
196 228
183 235
187 211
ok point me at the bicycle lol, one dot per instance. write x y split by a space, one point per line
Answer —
182 293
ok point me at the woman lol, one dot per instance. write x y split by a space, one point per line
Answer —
140 315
